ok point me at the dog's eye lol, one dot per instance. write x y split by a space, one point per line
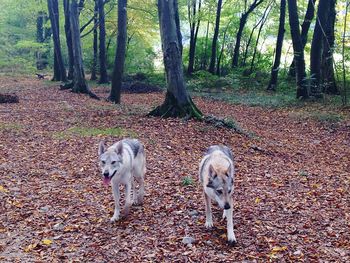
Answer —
113 162
103 162
219 192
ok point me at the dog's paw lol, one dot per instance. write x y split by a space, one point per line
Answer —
209 224
114 218
232 243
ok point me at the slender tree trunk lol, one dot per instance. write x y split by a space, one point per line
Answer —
328 77
218 72
177 102
204 59
215 39
276 65
120 53
316 47
95 47
66 7
245 56
302 87
40 21
102 38
242 23
194 21
79 83
60 70
265 15
309 16
41 57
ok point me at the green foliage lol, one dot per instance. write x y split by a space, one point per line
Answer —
92 131
187 181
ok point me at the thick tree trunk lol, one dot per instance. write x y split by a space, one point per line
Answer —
242 23
60 75
317 47
177 22
95 47
177 102
119 61
302 87
102 38
66 6
215 39
276 65
309 16
194 21
79 84
328 77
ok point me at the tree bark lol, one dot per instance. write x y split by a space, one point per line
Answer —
95 45
102 38
328 77
177 102
317 47
215 39
276 65
79 84
60 72
119 61
66 7
302 88
242 23
309 16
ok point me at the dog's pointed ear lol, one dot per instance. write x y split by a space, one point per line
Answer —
211 171
101 147
119 148
229 171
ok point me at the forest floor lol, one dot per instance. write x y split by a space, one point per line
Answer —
292 184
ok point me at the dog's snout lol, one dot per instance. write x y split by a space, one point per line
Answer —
227 206
106 174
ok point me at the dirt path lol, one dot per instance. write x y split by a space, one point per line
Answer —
292 187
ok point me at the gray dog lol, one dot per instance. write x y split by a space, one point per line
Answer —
122 164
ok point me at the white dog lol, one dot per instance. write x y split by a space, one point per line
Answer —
122 164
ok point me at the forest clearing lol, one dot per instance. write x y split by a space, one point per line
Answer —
291 197
238 105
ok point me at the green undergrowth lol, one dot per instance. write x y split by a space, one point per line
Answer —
10 127
320 116
93 131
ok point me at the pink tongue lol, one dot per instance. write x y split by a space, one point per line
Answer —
106 181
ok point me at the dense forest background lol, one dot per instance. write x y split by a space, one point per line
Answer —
227 45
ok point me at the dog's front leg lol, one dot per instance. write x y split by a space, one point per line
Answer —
116 195
128 201
230 234
208 214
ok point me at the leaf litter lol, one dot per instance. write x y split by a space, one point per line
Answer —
291 198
